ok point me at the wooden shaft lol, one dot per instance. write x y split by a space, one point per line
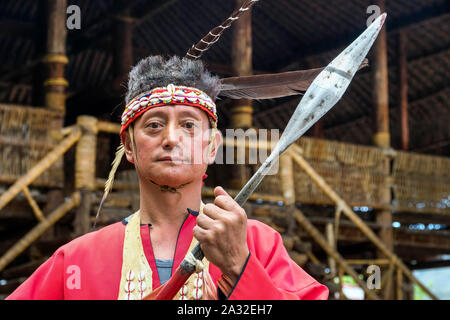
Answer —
296 154
39 168
321 241
38 230
36 210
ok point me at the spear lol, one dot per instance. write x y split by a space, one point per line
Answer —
323 93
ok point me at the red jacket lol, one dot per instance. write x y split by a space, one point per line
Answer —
96 257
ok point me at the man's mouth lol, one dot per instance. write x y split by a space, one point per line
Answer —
171 159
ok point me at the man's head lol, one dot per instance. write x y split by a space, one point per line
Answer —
166 125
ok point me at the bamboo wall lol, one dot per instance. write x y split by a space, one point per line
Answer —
420 183
24 140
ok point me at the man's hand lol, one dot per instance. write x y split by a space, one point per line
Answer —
221 231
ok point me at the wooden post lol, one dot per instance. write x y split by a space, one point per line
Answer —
123 50
341 284
332 242
380 87
288 188
403 83
56 59
382 135
85 156
318 129
241 110
54 89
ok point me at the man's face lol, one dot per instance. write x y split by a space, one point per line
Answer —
170 144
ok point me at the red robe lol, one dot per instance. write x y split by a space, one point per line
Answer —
96 260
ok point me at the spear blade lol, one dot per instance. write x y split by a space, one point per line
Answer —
330 85
324 92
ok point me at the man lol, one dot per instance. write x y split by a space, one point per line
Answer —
170 107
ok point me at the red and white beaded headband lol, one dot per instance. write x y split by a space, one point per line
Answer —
170 95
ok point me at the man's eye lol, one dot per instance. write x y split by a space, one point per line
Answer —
153 125
189 125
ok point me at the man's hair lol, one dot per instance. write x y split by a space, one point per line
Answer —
156 71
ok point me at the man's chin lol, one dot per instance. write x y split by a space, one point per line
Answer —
171 180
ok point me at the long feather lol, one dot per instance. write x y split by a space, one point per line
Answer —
109 183
270 86
196 51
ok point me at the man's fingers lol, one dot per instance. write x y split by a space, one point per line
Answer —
219 191
224 200
201 234
213 211
204 221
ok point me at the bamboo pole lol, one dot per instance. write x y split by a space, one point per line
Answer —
364 262
341 285
38 230
109 127
386 283
39 168
295 153
288 189
321 241
332 244
399 280
36 210
85 156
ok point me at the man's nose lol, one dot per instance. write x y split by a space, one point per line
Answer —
171 137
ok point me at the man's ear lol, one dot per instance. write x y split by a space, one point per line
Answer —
215 147
127 143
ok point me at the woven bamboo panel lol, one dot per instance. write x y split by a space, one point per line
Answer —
421 183
357 173
24 140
